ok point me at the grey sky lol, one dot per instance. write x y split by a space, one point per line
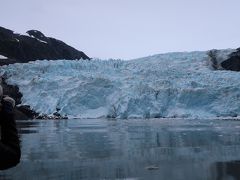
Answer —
129 28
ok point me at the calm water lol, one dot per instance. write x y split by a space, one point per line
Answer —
128 149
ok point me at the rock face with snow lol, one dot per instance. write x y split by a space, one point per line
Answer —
167 85
233 62
225 59
34 46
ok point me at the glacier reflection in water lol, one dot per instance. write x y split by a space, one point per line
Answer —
128 149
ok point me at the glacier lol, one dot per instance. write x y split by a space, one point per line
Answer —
171 85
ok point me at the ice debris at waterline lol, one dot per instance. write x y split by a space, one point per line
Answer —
166 85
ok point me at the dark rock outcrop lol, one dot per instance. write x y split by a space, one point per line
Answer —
12 91
233 62
7 61
225 59
23 48
21 112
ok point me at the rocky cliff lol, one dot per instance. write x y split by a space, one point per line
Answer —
228 59
34 46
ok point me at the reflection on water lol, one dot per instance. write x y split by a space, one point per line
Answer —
128 149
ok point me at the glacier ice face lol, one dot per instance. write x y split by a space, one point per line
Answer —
166 85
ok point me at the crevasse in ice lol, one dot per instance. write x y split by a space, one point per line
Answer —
165 85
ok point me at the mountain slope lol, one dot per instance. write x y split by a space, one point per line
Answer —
34 46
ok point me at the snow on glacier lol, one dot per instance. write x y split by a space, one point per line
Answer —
165 85
2 57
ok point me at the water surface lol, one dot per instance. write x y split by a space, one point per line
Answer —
128 149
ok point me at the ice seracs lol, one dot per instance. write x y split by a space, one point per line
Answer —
165 85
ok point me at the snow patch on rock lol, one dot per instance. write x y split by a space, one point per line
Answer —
3 57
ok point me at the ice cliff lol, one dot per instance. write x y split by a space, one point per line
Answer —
165 85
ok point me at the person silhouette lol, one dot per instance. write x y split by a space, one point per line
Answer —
10 151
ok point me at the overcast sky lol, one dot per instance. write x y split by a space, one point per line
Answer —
129 28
